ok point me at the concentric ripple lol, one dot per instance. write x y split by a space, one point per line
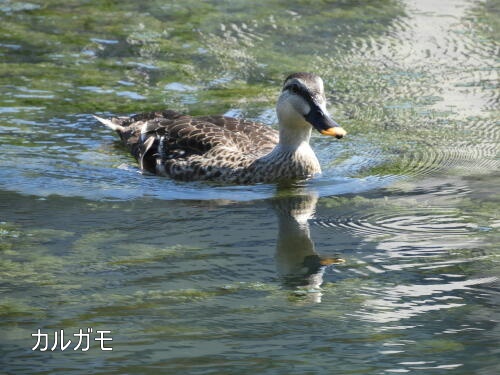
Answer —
410 221
430 161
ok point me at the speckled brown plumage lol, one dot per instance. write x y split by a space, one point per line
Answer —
196 148
230 150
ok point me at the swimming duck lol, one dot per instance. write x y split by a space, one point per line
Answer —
232 150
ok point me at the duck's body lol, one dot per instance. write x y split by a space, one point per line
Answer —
230 150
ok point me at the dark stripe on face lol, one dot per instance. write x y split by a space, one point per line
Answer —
301 91
316 116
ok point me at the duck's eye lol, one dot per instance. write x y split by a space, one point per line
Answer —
294 89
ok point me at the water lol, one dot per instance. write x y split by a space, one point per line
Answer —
388 263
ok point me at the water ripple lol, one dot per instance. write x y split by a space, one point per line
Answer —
431 221
396 303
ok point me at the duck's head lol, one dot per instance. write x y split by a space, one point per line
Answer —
302 104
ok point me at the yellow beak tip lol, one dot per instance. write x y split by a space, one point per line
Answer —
336 132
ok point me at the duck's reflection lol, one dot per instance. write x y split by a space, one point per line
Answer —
298 264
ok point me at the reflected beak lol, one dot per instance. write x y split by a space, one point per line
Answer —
330 261
322 122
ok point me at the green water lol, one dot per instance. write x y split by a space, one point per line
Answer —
201 279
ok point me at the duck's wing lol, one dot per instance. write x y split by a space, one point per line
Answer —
156 137
260 136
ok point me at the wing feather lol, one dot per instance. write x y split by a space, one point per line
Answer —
165 136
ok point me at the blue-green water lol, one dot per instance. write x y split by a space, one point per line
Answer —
201 279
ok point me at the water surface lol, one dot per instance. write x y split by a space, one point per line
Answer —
387 263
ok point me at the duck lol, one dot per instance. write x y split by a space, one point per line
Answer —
233 150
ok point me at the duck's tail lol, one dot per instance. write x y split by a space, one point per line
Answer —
112 124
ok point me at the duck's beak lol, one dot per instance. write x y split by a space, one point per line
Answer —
322 122
337 132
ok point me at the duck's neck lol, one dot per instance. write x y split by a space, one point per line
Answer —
292 139
292 157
